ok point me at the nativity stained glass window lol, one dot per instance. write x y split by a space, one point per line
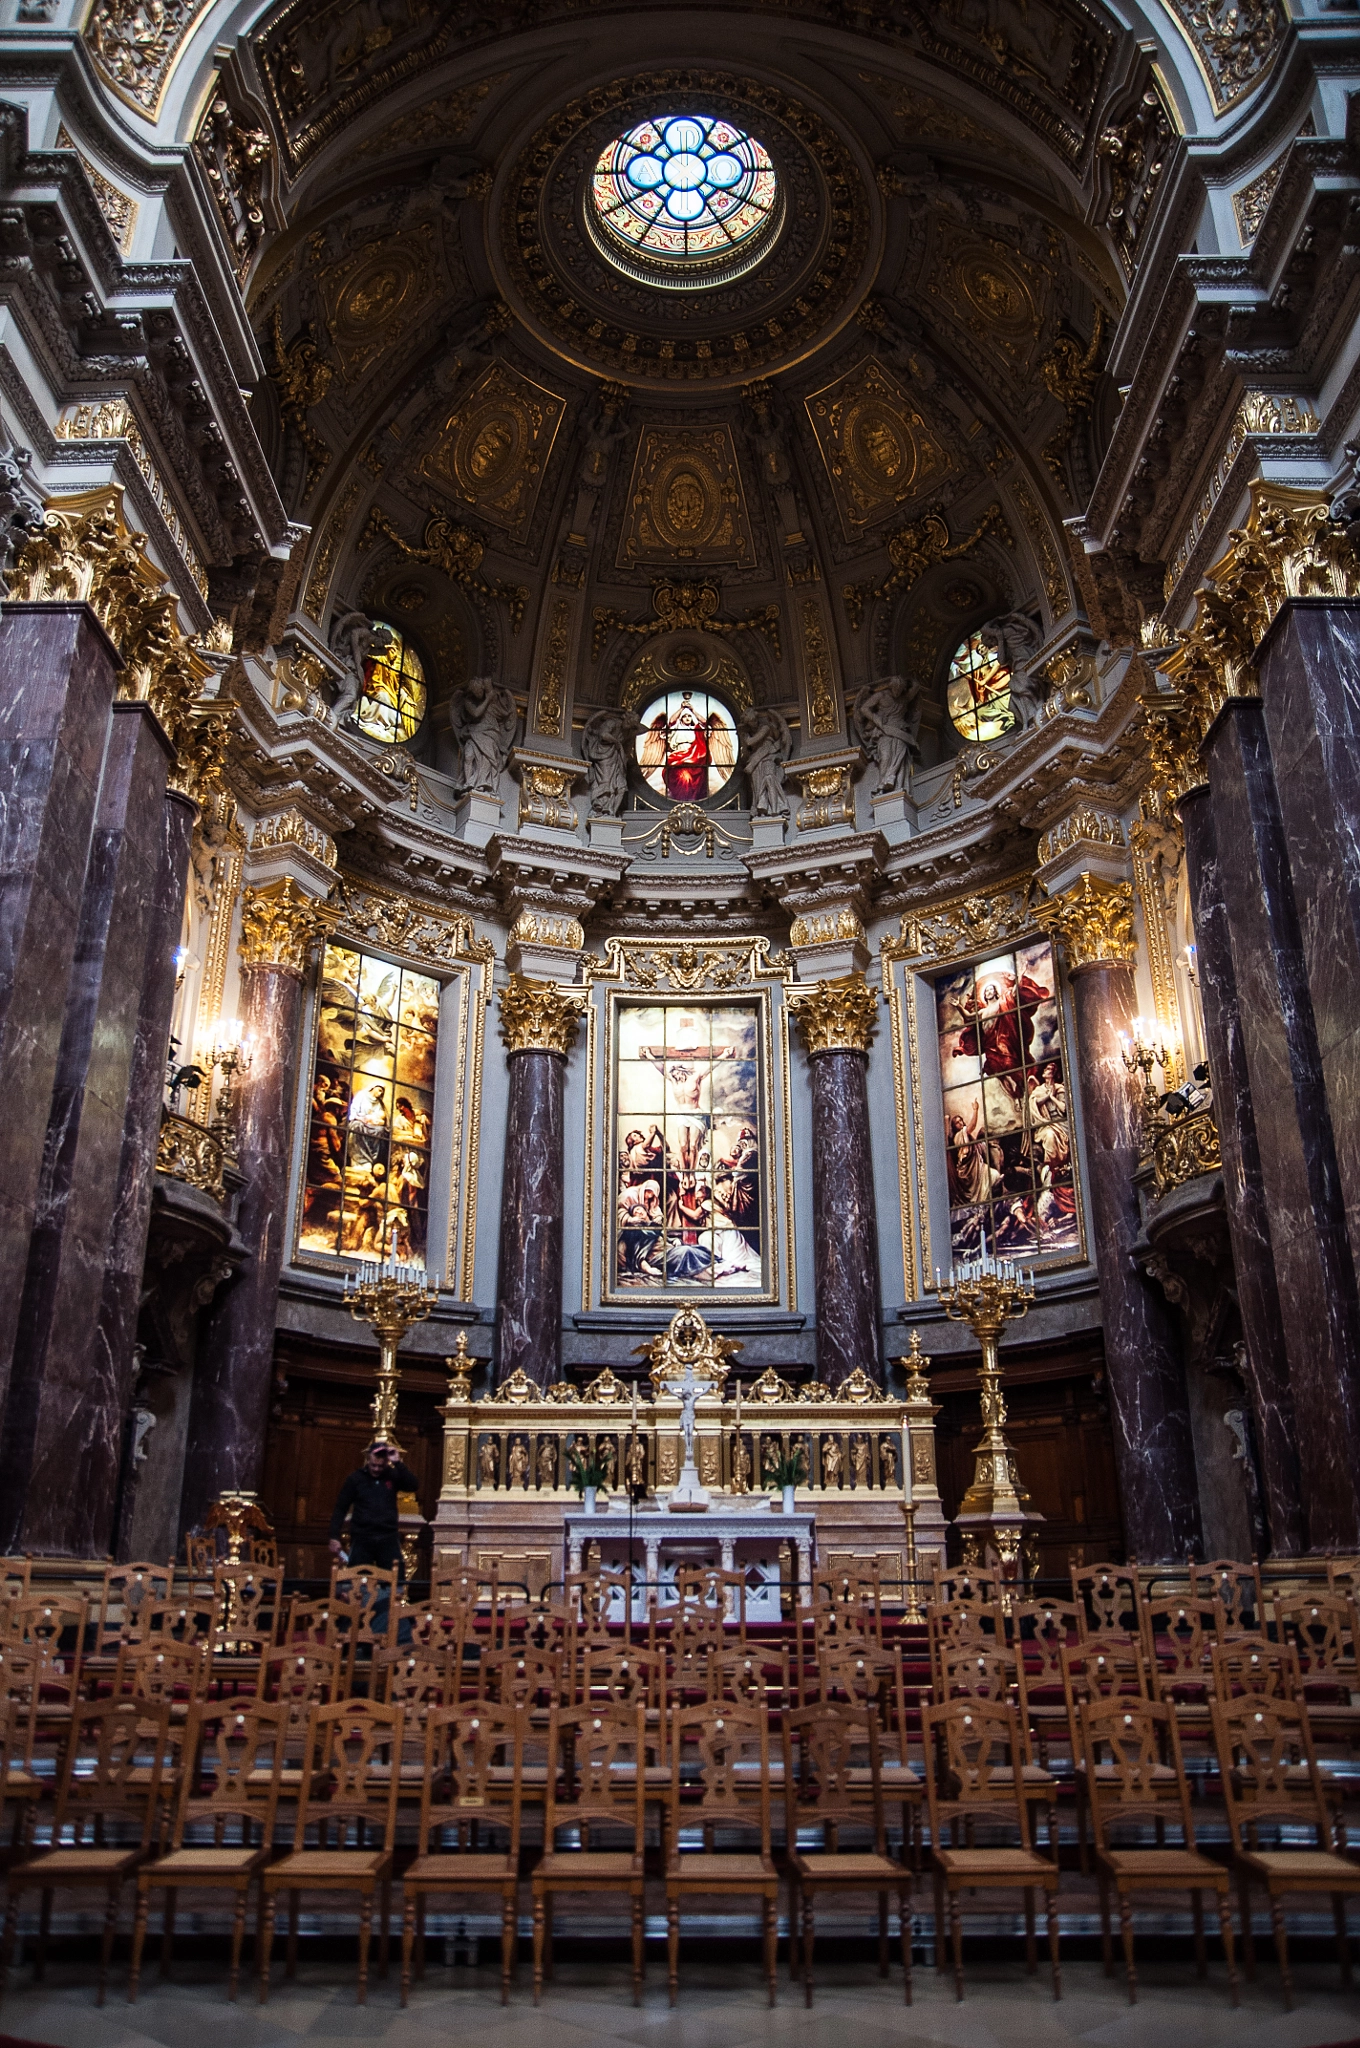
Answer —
978 692
367 1172
689 1192
1007 1118
391 706
684 199
687 748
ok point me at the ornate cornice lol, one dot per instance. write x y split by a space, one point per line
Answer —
1094 920
280 924
540 1016
835 1016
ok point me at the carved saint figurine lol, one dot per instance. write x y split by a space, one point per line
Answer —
833 1461
517 1464
887 1460
741 1465
1014 639
355 639
547 1463
887 719
635 1465
766 744
488 1461
485 722
859 1459
607 743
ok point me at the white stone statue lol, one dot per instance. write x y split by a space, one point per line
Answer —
1014 639
485 723
887 719
607 743
356 639
766 744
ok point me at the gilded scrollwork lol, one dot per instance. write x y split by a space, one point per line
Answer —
235 155
1094 920
191 1153
915 548
493 447
1236 41
967 924
280 926
691 607
839 1015
540 1016
687 967
878 449
376 916
685 502
133 45
458 552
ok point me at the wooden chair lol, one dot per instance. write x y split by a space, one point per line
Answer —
1044 1633
1322 1630
171 1674
1237 1588
901 1781
105 1822
229 1790
128 1590
596 1780
349 1786
720 1781
972 1779
833 1782
1253 1665
21 1787
1270 1774
1108 1599
849 1603
1128 1747
416 1679
296 1678
249 1609
52 1632
471 1787
521 1677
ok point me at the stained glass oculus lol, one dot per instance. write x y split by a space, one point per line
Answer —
687 747
684 200
391 705
978 692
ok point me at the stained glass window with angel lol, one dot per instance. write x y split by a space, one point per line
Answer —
687 748
391 706
978 692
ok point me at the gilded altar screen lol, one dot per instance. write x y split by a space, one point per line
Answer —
1007 1126
689 1150
368 1142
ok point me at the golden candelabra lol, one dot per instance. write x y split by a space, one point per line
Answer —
987 1293
392 1297
1140 1055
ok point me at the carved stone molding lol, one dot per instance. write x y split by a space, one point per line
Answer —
1094 920
280 924
540 1016
836 1016
1085 826
290 828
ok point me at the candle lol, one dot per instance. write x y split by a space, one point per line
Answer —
906 1464
635 1407
738 1404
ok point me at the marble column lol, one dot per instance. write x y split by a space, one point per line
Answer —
58 671
61 1445
1150 1409
836 1019
230 1404
1258 1295
1300 1174
538 1025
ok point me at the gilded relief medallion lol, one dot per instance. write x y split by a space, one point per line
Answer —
978 279
686 502
877 448
494 446
373 297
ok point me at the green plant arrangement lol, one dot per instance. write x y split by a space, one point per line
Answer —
788 1469
586 1471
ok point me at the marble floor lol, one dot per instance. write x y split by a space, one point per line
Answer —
722 2006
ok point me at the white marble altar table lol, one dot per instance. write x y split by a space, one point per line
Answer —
731 1537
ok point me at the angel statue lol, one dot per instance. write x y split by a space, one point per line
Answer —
1014 639
485 723
887 719
355 639
607 744
766 744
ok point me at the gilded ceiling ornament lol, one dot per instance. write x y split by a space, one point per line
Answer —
1236 41
118 210
876 445
1135 155
1050 568
201 753
967 924
373 296
821 693
443 120
1069 370
1085 826
689 967
921 117
977 275
1250 203
552 671
685 501
303 379
688 665
112 420
540 1016
235 156
133 46
493 447
458 551
915 548
332 538
293 828
378 916
1094 920
280 924
835 1016
687 607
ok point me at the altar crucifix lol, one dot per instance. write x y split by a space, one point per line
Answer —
689 1360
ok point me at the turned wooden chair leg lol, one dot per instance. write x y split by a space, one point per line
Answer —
939 1920
1225 1930
294 1906
956 1937
168 1931
538 1946
639 1958
1201 1958
673 1948
1282 1948
1051 1908
1343 1947
1126 1931
809 1938
1106 1945
365 1934
883 1934
507 1944
138 1940
44 1933
1244 1920
1031 1958
771 1945
106 1945
238 1935
420 1938
904 1929
408 1936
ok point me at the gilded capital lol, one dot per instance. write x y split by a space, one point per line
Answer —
1094 920
835 1016
540 1016
280 923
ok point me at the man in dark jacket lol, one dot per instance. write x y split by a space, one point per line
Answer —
369 1498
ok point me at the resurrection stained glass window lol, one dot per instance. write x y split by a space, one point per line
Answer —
688 1151
368 1141
688 194
392 702
687 748
1007 1123
978 692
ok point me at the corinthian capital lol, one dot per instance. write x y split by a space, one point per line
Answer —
540 1016
1094 920
835 1016
280 924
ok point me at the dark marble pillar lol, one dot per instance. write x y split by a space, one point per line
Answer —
230 1403
1258 1295
1150 1409
836 1019
1314 1270
538 1024
61 1444
58 671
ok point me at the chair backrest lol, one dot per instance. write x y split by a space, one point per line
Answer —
596 1769
852 1600
1178 1638
520 1677
1268 1767
832 1767
1129 1746
961 1624
249 1607
129 1589
1321 1630
1255 1666
352 1774
234 1752
1108 1599
1237 1588
358 1605
749 1676
295 1677
111 1769
619 1673
949 1583
720 1769
55 1620
38 1673
1107 1667
416 1678
306 1621
967 1672
169 1672
973 1758
473 1776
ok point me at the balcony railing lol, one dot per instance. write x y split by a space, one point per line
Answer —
191 1153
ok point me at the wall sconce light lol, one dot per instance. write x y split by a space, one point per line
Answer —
231 1055
1141 1054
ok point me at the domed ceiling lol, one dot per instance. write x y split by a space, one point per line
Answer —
542 455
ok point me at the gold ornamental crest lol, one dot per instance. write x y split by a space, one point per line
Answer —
878 450
494 446
686 502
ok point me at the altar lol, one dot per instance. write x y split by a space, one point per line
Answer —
771 1548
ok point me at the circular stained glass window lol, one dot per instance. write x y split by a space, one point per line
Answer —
687 748
392 702
684 200
978 692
